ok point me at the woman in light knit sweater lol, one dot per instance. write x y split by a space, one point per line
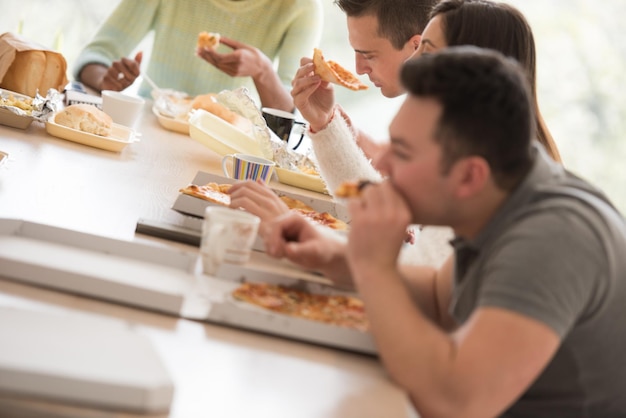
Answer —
256 34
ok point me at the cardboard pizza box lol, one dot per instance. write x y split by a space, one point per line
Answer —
190 205
164 278
149 276
83 359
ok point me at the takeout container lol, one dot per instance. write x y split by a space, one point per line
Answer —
222 137
120 137
170 123
12 119
301 180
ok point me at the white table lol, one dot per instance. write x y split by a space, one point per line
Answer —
217 371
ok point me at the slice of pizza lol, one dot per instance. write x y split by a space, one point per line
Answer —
212 192
334 73
339 310
351 188
320 218
208 40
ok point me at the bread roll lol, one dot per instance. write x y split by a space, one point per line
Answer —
86 118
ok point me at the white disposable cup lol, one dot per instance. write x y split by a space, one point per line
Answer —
227 237
123 108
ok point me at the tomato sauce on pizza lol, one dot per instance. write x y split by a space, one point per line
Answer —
339 310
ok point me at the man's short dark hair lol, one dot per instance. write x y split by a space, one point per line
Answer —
486 107
398 20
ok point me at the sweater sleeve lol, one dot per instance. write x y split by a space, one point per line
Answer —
339 158
119 35
303 34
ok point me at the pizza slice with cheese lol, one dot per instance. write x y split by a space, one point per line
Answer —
334 73
211 192
321 218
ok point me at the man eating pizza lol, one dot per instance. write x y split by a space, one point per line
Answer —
523 319
383 34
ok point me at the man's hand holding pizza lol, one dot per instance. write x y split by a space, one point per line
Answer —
291 236
379 221
314 98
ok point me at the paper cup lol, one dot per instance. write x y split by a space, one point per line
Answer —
124 109
227 237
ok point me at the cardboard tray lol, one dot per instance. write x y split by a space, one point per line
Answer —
82 359
221 136
120 137
301 180
194 206
149 277
11 119
162 278
170 123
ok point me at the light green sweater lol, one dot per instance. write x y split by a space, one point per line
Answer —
285 30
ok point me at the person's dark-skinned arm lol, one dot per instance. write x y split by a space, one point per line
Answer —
248 61
121 74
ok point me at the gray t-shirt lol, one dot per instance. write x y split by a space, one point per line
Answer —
556 252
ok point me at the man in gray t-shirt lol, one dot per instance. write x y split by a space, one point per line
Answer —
526 318
555 252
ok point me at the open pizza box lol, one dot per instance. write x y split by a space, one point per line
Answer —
159 277
194 206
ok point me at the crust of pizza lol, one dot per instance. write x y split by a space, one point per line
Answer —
334 73
209 40
212 192
339 310
321 218
351 188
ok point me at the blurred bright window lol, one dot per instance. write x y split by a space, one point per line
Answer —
581 72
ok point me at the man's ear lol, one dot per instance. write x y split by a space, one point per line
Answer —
472 175
415 41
